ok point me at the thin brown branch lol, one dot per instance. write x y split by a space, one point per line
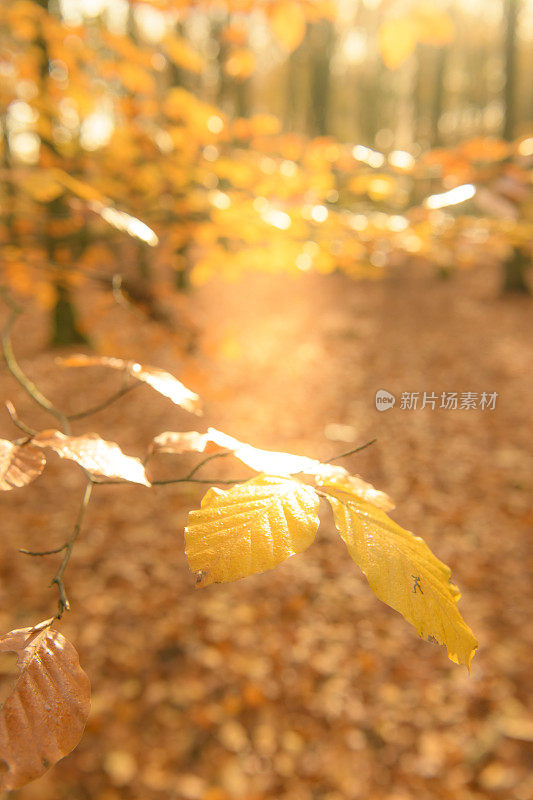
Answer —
42 552
351 452
17 421
105 403
13 365
201 464
63 602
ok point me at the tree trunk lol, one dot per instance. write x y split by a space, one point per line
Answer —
514 274
512 12
321 40
514 269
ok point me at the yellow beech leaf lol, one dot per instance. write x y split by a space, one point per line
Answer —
288 24
397 39
250 528
403 572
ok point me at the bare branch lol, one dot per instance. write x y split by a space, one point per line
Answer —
63 603
105 403
18 422
42 552
351 452
16 371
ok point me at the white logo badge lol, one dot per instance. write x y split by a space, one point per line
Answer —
384 400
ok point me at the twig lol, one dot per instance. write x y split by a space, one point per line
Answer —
229 482
63 603
186 479
351 452
105 403
201 464
42 552
120 298
18 422
15 369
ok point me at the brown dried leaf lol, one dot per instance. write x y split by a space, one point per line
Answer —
95 455
163 382
43 718
19 464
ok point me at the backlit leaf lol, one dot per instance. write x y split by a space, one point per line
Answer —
94 454
43 718
160 380
250 528
403 572
271 462
355 488
19 464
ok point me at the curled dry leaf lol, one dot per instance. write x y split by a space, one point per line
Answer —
94 454
403 572
19 464
270 462
43 718
250 528
163 382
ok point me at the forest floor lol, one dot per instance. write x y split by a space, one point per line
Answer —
297 684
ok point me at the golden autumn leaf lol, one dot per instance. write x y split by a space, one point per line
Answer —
397 39
250 528
357 489
288 23
240 64
160 380
19 464
403 572
43 718
182 54
94 454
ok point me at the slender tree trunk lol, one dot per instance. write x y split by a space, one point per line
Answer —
515 268
437 100
512 11
65 330
321 39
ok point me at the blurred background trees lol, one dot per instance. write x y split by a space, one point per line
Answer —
288 135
